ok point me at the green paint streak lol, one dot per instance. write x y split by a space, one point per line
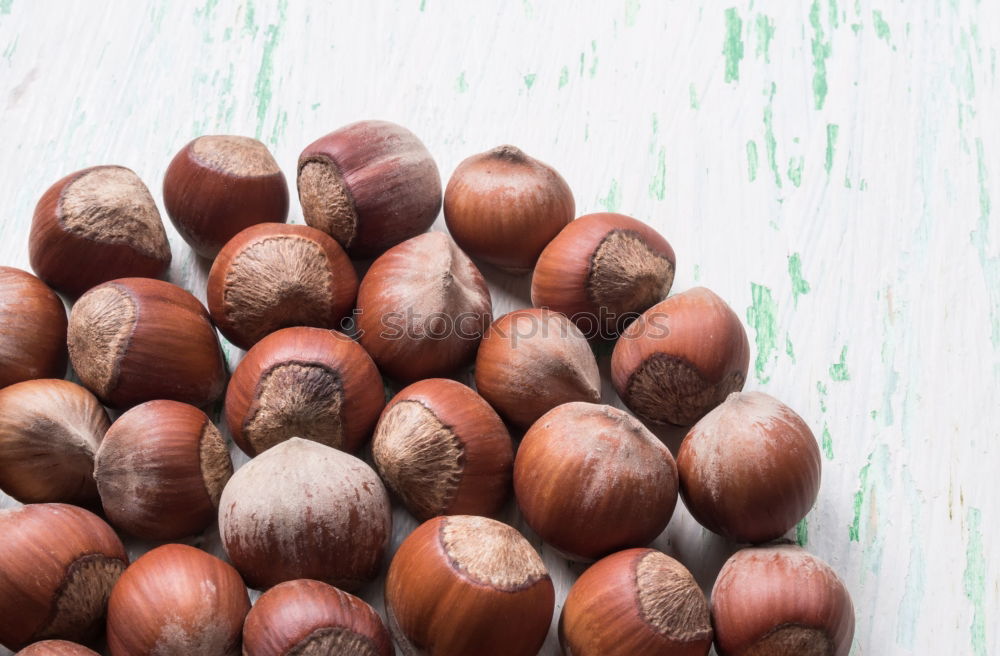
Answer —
765 33
696 273
838 370
761 316
795 170
593 64
847 182
693 96
827 442
789 349
631 9
833 14
854 531
658 185
461 85
881 27
908 617
832 129
799 284
980 240
564 77
856 28
752 159
262 88
612 202
821 52
6 6
8 53
802 532
423 5
314 106
250 21
203 12
529 80
974 580
821 388
732 47
770 143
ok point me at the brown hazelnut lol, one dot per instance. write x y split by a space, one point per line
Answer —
750 468
96 225
58 564
304 510
681 358
49 432
369 185
532 360
463 585
602 271
135 339
503 207
217 185
310 617
423 307
444 451
273 276
32 329
56 648
304 382
177 599
591 479
161 469
779 599
638 602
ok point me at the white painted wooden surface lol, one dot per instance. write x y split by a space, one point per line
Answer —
830 169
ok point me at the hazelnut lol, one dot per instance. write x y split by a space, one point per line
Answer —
779 599
49 432
532 360
637 602
58 564
33 326
750 468
503 207
464 585
602 271
56 648
591 479
136 339
96 225
423 309
161 469
273 276
304 510
177 599
304 382
217 185
369 185
681 358
444 451
310 617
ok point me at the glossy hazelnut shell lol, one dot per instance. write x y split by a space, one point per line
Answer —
72 262
779 599
429 278
177 599
749 469
590 480
681 358
391 183
298 294
440 607
209 205
566 277
344 364
620 606
469 471
56 648
167 347
50 430
503 207
306 616
533 360
304 510
160 471
58 564
32 329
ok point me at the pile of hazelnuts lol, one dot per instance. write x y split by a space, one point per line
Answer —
307 520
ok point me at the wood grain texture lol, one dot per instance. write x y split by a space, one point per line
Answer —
830 168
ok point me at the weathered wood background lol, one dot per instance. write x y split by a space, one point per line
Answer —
830 168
